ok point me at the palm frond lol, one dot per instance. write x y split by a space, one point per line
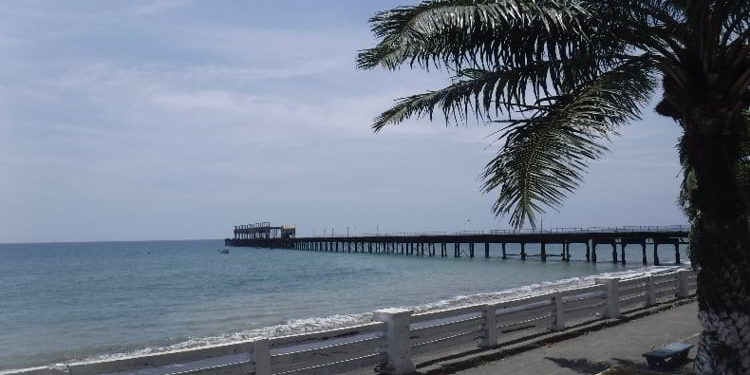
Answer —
545 156
485 33
483 93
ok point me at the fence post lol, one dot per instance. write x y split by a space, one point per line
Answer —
650 292
559 323
489 326
262 350
682 287
613 295
398 351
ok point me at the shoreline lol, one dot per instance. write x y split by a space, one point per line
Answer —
342 321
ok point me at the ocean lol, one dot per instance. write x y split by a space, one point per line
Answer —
63 302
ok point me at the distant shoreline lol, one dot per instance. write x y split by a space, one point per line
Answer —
107 241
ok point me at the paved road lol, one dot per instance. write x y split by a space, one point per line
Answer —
594 352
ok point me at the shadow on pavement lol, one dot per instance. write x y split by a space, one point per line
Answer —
581 365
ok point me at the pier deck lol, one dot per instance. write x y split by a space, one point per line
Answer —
428 244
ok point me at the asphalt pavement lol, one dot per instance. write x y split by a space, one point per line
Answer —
597 351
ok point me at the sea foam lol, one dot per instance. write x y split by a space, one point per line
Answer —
314 324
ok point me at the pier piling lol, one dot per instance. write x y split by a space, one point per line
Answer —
593 251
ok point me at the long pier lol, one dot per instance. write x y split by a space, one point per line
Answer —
450 244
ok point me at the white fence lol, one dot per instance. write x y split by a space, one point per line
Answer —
391 344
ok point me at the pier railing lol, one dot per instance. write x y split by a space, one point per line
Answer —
397 338
571 230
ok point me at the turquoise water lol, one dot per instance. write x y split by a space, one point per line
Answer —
70 301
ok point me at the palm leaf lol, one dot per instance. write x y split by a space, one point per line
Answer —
485 93
544 156
484 33
502 35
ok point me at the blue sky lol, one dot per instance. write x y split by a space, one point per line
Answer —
177 119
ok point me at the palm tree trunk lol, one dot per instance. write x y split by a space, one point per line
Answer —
721 246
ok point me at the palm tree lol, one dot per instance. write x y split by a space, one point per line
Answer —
561 76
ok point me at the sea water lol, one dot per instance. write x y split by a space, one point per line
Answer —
62 302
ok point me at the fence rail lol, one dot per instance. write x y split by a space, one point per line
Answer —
571 230
391 343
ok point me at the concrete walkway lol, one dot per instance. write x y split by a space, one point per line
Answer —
596 351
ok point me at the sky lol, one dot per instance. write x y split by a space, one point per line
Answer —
178 119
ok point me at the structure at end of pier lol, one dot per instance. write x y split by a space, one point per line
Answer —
264 231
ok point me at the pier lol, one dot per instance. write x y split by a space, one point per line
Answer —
601 244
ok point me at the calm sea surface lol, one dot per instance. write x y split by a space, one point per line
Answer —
68 301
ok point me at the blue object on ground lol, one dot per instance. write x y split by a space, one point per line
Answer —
668 356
